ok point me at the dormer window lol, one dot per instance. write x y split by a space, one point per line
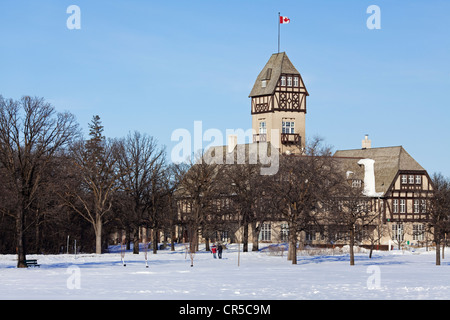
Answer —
356 183
266 77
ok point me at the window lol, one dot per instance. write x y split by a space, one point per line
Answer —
423 205
402 206
416 206
284 236
283 81
310 235
289 81
363 206
418 232
222 236
418 179
395 206
404 179
411 179
262 127
295 81
266 232
263 83
287 127
397 232
356 183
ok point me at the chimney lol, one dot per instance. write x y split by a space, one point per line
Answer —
232 142
369 178
366 143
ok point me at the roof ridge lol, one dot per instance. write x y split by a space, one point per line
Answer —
370 148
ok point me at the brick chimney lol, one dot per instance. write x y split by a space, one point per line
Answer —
366 143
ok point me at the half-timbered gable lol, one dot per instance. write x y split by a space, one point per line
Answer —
408 196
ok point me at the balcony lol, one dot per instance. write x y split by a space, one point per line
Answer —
259 137
290 138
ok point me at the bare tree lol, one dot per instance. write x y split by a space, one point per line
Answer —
168 215
301 187
140 162
246 189
160 195
439 212
197 193
375 234
31 132
352 213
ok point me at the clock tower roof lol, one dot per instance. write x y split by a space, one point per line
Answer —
278 64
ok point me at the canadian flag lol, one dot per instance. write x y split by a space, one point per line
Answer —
284 20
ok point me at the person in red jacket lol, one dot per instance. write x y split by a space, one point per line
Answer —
214 250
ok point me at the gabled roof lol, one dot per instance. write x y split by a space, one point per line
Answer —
278 63
388 162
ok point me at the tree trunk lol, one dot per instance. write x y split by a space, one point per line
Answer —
207 244
128 239
293 248
136 241
438 253
289 255
21 254
255 236
245 238
352 243
98 235
155 240
37 232
172 239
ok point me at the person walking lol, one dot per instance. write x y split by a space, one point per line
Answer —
219 251
214 250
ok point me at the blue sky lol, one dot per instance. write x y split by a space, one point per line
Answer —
156 66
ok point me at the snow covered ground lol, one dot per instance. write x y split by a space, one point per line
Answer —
260 276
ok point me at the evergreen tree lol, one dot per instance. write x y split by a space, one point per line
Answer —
96 162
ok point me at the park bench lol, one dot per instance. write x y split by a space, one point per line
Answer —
32 262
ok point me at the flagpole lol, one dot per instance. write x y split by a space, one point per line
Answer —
278 32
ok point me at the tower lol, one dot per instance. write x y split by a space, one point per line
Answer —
278 103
